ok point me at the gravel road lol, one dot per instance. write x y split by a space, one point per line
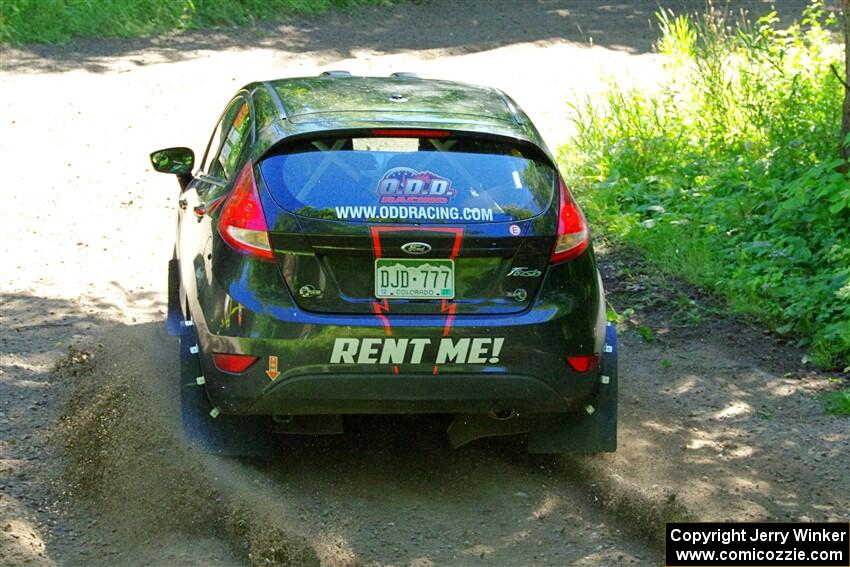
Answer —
719 421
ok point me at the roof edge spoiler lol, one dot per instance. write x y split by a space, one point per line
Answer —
366 130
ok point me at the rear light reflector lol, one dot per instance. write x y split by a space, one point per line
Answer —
242 223
412 133
233 363
573 235
584 362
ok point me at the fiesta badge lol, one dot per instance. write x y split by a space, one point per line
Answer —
416 248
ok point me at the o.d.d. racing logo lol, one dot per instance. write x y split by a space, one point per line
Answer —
403 185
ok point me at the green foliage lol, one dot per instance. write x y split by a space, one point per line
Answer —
837 403
646 333
727 175
57 21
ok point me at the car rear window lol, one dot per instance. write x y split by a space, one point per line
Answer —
410 179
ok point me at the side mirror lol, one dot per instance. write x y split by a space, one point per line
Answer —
178 161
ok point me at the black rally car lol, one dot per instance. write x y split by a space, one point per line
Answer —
385 245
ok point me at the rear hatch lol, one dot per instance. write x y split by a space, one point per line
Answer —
410 221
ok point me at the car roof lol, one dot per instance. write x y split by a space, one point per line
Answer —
339 101
305 96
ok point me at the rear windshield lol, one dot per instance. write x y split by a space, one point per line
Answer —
420 180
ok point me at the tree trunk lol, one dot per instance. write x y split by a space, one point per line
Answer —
845 117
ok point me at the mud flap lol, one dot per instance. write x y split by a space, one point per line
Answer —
175 314
226 435
594 432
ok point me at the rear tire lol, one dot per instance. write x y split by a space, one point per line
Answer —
591 431
222 435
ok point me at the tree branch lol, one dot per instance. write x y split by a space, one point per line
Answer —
837 76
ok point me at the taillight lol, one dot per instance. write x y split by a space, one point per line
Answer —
573 234
233 363
242 224
584 362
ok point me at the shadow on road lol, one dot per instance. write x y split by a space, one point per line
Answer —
454 27
391 488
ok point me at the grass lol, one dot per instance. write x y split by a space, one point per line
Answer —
837 403
728 174
59 21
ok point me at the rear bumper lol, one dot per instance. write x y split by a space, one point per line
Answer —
466 364
531 374
413 393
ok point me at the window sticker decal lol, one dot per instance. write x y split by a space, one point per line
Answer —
414 213
404 185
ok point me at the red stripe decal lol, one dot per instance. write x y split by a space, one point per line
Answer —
449 319
376 241
381 308
445 307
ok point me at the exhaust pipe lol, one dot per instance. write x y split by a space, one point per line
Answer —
469 427
503 415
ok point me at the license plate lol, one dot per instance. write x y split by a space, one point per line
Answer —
414 279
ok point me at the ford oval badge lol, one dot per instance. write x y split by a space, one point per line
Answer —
416 248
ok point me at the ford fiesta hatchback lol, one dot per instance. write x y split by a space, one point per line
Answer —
369 245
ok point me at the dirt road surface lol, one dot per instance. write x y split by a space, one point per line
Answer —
718 421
